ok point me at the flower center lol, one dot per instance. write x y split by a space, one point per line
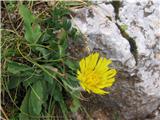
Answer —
92 79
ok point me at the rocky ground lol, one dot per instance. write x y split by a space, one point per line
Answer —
129 34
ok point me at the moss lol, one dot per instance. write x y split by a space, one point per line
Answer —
133 46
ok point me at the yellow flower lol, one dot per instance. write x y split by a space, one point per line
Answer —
94 74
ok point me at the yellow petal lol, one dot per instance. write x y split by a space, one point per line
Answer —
106 83
94 74
82 65
99 91
111 73
91 61
84 87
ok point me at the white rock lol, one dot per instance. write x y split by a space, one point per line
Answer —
143 23
103 34
135 99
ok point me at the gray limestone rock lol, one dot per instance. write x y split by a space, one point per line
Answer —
143 21
137 91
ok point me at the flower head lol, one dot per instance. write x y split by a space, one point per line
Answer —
94 74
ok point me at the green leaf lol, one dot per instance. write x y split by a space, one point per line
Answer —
59 98
60 11
45 37
32 103
75 104
10 52
72 80
73 65
70 83
26 108
32 32
31 80
27 77
28 32
63 108
43 51
52 71
57 93
67 24
26 14
73 33
62 49
13 83
24 115
17 68
48 78
36 97
36 32
32 29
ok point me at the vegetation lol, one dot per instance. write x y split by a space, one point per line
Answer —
41 78
38 73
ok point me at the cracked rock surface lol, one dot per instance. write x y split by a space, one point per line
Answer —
136 94
143 21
